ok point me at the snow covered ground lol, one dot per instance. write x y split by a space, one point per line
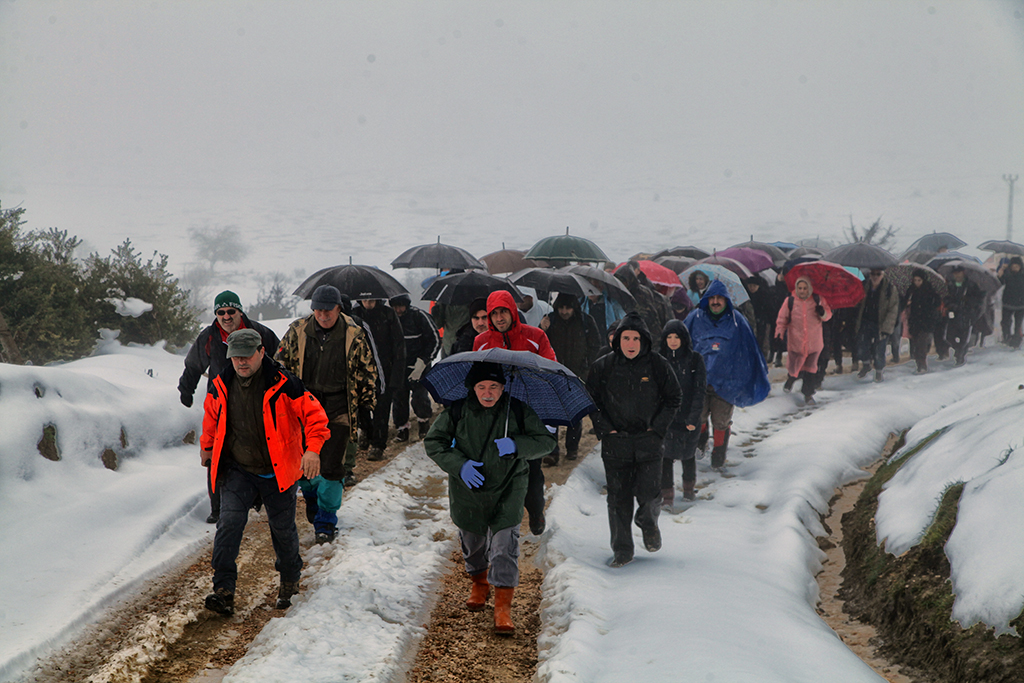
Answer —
730 596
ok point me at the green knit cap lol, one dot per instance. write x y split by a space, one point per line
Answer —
227 299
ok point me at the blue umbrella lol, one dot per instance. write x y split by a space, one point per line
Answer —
557 395
737 292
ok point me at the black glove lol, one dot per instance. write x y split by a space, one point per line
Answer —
820 310
186 400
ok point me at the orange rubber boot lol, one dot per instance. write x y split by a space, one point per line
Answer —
503 611
478 594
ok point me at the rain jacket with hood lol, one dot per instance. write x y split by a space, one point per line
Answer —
575 341
735 367
498 503
518 337
690 373
636 397
293 419
801 324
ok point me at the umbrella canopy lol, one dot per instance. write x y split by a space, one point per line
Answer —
463 288
567 248
784 246
728 263
830 280
860 255
611 285
816 242
737 292
902 274
675 263
917 256
936 241
804 251
557 395
776 254
755 260
547 280
1003 247
355 282
946 256
975 272
688 252
509 261
657 274
439 256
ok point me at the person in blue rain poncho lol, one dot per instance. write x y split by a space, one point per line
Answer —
736 370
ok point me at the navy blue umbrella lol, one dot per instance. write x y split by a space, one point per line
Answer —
557 395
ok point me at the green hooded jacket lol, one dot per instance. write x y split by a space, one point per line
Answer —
498 503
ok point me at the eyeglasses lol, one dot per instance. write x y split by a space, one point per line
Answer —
226 311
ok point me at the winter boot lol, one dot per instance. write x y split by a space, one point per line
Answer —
326 534
788 386
721 446
702 439
668 497
571 455
865 368
403 434
424 427
503 611
221 601
807 386
375 454
652 539
878 376
551 459
285 593
479 592
689 492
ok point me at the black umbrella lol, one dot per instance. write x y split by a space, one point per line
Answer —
921 256
611 285
861 255
567 248
688 252
1002 247
356 282
948 256
973 271
936 241
548 280
463 288
676 263
804 251
551 389
439 256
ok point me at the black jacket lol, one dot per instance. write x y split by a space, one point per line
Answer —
1013 290
388 338
576 341
923 306
633 395
421 338
209 353
690 373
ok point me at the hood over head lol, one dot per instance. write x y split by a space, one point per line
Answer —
675 327
502 299
633 321
716 288
692 280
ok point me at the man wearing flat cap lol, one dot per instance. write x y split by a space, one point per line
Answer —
208 355
329 352
262 431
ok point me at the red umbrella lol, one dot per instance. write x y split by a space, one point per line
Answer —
657 274
839 287
729 263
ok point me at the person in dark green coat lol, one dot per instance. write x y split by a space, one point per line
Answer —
483 443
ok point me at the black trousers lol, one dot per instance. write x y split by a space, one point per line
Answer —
633 470
421 405
535 491
375 422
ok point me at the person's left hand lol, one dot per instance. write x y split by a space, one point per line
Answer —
310 464
545 323
506 446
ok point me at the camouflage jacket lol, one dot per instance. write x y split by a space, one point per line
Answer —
361 370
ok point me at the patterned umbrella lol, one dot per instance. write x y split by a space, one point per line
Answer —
557 395
657 274
737 292
901 276
833 282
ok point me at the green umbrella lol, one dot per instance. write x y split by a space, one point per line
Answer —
567 248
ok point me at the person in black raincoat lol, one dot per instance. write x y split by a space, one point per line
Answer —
681 437
422 343
765 313
1011 274
924 309
637 396
389 340
484 442
964 303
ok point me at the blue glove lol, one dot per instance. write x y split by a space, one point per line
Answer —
472 476
506 446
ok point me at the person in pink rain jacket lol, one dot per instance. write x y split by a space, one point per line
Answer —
801 315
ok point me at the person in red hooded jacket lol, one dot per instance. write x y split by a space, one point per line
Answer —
506 331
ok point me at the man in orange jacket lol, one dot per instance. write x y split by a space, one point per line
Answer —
257 416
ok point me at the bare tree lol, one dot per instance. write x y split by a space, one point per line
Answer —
218 245
874 234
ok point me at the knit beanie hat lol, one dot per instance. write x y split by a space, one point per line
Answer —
484 372
227 299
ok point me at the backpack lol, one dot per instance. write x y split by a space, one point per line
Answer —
817 300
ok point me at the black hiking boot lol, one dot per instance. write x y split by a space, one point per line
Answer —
375 454
326 534
620 560
403 435
788 386
652 540
285 593
537 524
424 428
221 601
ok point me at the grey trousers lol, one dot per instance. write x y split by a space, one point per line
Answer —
497 551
